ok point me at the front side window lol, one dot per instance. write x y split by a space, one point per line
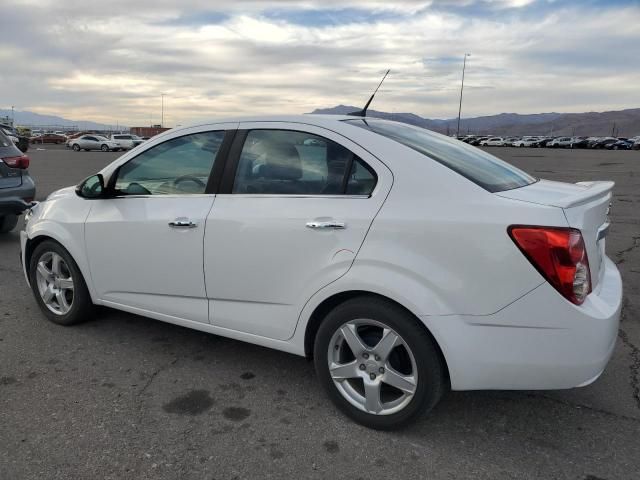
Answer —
286 162
178 166
480 167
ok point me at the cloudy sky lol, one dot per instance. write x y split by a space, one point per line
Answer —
109 61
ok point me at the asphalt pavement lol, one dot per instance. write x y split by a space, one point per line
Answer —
125 397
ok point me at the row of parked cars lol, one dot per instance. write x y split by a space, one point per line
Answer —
609 143
90 141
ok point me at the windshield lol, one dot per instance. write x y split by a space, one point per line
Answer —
481 168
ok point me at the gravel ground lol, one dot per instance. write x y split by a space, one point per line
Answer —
127 397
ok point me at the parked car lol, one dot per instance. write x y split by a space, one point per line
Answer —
126 141
477 141
579 142
49 138
560 142
329 252
509 141
601 142
17 189
20 141
621 144
94 142
526 142
493 142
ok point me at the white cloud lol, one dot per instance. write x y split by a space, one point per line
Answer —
80 59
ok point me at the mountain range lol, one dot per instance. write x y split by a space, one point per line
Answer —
53 122
624 122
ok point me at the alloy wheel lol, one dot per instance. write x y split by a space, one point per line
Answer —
372 367
55 283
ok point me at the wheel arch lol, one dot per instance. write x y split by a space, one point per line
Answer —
33 242
329 303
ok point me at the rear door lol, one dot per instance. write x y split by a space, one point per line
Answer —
294 208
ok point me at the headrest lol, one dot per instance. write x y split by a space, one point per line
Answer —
282 162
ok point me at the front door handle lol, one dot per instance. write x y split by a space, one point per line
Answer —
328 224
182 222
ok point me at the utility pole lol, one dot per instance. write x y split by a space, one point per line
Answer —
13 118
613 130
464 65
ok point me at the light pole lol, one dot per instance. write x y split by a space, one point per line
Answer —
13 118
162 110
464 65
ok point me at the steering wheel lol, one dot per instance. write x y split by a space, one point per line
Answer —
190 178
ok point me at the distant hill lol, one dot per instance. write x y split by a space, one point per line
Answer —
627 122
30 118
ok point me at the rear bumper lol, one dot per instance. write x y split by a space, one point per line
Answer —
540 341
13 205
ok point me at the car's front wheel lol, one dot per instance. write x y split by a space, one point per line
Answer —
58 285
104 148
76 147
378 364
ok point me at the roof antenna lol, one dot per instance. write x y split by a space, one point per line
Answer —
363 112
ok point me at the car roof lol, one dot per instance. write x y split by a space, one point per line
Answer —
309 119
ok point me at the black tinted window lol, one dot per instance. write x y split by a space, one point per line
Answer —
480 167
285 162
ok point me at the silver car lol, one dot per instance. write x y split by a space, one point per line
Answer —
94 142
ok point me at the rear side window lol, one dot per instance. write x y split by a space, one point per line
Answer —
287 162
480 167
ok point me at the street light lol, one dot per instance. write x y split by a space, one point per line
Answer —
464 64
162 110
13 118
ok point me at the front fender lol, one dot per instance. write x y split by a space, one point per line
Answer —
68 234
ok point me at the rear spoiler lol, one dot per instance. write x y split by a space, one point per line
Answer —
591 191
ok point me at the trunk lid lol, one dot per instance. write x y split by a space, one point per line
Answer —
585 206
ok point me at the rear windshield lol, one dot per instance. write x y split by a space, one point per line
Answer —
481 168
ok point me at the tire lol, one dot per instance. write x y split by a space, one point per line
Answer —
76 147
8 222
81 307
417 357
104 148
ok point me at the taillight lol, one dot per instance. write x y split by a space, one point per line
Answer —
17 162
559 255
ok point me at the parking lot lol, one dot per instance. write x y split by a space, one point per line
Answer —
123 396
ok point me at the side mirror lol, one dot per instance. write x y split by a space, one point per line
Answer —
91 187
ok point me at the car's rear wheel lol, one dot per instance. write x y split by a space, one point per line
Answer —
104 148
76 147
377 363
58 285
8 223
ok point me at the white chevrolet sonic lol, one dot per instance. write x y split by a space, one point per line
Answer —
403 262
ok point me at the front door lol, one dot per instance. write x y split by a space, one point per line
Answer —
145 246
298 204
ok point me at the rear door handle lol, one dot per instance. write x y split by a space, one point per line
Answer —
182 222
329 224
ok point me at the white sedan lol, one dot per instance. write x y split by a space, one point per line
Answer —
404 262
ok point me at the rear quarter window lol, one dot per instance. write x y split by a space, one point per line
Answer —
480 167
